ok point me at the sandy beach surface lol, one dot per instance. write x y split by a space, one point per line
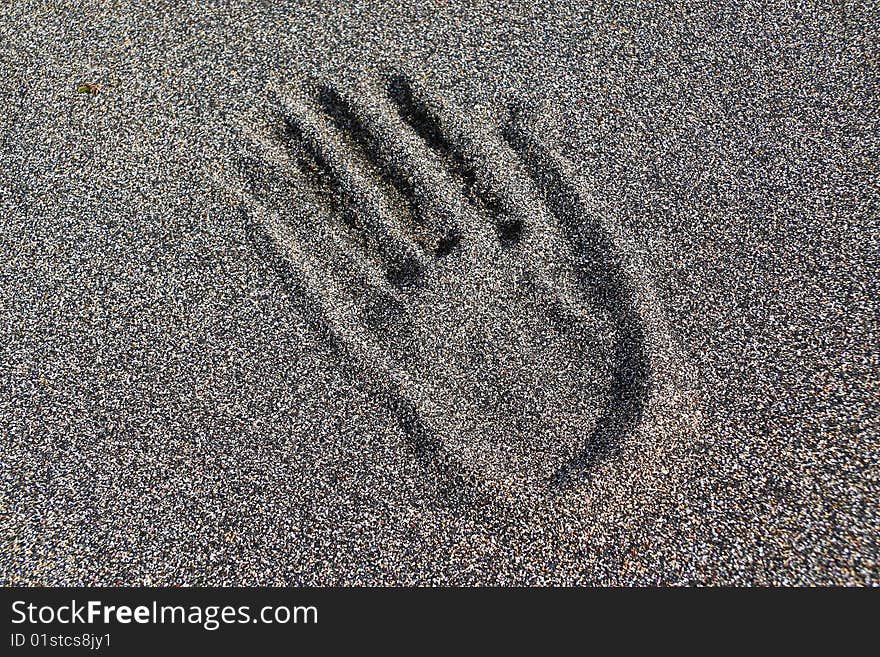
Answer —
314 293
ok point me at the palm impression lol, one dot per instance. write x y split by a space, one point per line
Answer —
456 268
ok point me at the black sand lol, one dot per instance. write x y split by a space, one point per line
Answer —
438 294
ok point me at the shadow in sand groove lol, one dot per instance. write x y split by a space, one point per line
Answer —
602 275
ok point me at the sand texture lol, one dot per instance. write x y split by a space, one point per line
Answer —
457 293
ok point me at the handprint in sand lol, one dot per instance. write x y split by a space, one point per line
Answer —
456 267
